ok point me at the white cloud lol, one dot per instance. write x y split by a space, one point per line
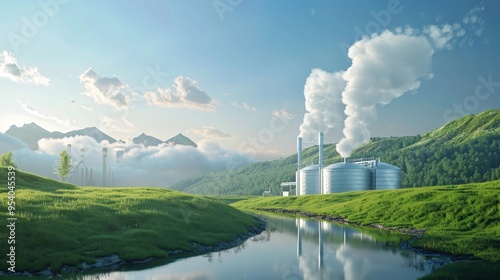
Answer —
20 74
244 105
185 94
136 165
87 108
474 16
27 159
35 112
119 125
104 90
210 133
84 107
474 23
442 37
283 114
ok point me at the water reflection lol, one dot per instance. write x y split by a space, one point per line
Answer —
345 254
323 251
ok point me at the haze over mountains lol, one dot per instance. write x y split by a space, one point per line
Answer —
144 160
32 133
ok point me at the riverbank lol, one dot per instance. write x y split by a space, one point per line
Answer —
340 220
60 225
114 262
457 220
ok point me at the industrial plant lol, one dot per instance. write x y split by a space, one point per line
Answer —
348 175
81 175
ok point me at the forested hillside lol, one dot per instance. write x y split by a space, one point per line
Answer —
462 151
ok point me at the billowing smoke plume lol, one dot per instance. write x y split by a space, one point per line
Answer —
323 92
132 164
384 67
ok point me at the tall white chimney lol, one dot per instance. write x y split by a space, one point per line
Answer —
320 144
320 161
299 152
104 172
299 165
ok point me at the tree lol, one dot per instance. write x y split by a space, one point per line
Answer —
63 166
7 160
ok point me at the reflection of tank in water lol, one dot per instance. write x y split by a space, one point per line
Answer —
344 237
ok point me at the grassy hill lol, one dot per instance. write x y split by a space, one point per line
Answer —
460 220
462 151
59 223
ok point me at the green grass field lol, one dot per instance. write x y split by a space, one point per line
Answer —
459 220
60 223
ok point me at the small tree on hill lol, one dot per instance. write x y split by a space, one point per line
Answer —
63 166
6 159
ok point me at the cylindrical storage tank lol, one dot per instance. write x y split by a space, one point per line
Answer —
345 177
387 177
309 180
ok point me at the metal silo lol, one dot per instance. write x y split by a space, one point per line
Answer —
309 180
345 177
387 177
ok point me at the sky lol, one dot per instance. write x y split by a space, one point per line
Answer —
248 76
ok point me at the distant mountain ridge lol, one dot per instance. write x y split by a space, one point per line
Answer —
180 139
147 140
31 133
465 150
93 132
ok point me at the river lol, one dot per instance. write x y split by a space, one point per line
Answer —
291 248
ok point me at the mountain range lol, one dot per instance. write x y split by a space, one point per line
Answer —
31 133
465 150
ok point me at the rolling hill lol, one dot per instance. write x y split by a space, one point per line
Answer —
465 150
62 224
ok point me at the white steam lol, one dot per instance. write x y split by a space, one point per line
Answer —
384 67
323 92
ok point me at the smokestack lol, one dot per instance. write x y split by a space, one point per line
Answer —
320 161
299 152
320 144
68 149
104 156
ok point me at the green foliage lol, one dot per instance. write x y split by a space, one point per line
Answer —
459 220
59 223
463 151
64 164
6 159
470 269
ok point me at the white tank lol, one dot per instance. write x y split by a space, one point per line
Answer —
387 177
309 180
345 177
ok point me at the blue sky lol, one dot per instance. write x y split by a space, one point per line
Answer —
242 66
